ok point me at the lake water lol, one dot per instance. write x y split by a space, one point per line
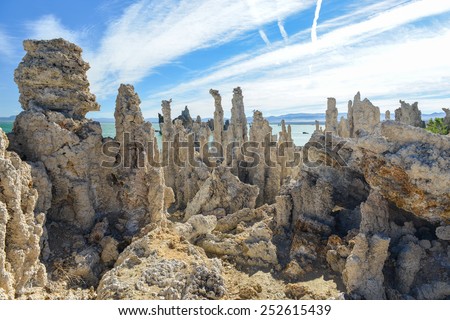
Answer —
298 135
6 126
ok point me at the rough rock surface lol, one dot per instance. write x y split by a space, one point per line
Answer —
398 161
142 192
82 177
160 265
266 178
443 232
387 115
243 237
52 75
447 117
362 115
218 118
20 227
409 114
331 122
343 128
185 118
363 273
373 221
222 190
236 131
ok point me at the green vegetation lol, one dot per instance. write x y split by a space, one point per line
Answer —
438 126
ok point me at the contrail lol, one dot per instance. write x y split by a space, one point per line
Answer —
316 17
264 37
283 30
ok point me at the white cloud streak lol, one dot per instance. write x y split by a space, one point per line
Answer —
6 47
384 56
282 30
264 37
49 27
153 33
314 25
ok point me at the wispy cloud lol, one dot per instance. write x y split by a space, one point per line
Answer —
282 30
264 37
50 27
316 17
384 55
6 47
153 33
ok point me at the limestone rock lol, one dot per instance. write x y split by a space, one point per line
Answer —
447 117
284 206
142 192
110 253
362 115
186 118
266 177
331 122
52 76
338 251
363 274
374 214
409 167
408 265
243 216
85 266
237 131
443 232
196 226
43 184
20 227
312 203
317 123
387 115
222 190
343 129
161 266
434 291
409 114
243 237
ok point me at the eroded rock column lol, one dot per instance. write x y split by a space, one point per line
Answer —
409 114
218 118
362 115
20 227
331 122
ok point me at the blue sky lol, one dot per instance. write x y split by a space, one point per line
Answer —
287 55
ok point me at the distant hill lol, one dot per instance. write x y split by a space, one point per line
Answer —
301 118
428 116
298 118
8 119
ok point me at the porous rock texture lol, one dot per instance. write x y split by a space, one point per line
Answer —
52 75
266 176
409 114
367 208
219 136
222 190
409 166
243 237
447 117
21 227
362 115
81 176
160 265
387 115
331 116
142 191
363 269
